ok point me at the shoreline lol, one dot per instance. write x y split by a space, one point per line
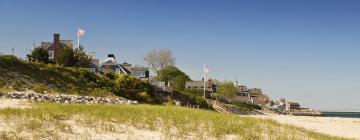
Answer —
335 126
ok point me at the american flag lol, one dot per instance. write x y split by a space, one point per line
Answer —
206 70
80 32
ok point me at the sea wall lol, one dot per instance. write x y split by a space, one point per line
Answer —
64 98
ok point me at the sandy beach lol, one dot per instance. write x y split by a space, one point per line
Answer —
343 127
13 103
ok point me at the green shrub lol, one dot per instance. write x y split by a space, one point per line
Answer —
127 82
143 96
38 55
19 85
10 59
2 82
111 76
103 82
201 101
85 74
246 106
40 88
150 89
195 97
99 92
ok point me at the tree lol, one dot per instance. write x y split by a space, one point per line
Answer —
172 73
180 80
82 60
66 57
227 89
38 55
159 58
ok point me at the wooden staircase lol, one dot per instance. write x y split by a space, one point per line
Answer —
218 107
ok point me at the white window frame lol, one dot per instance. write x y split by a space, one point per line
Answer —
51 55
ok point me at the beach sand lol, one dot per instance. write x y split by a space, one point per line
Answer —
343 127
13 103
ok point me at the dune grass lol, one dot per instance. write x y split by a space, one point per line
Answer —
171 121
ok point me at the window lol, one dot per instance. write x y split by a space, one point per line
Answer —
51 54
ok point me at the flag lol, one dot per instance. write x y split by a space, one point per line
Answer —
80 32
206 70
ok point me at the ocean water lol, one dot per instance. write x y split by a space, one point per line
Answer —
342 114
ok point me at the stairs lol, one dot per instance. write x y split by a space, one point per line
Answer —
219 108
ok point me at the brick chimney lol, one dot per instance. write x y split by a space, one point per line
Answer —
56 43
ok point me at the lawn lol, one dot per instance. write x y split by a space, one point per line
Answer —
46 120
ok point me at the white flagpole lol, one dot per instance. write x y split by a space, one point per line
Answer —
204 80
78 37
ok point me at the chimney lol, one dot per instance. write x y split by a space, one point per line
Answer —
111 56
56 43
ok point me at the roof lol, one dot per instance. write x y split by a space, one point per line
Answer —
109 63
137 68
123 67
294 103
63 44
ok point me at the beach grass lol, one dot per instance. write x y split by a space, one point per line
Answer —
51 120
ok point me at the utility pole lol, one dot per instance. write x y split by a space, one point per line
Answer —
204 75
13 50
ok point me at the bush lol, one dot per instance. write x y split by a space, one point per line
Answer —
38 55
247 106
66 57
195 97
2 82
104 82
19 85
127 82
201 102
40 88
99 92
150 89
143 96
110 76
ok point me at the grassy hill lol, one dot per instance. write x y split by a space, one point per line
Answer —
46 120
20 75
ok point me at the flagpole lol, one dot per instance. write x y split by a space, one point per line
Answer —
78 38
204 80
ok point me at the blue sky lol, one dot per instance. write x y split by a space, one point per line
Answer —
302 50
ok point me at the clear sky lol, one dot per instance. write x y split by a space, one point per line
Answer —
302 50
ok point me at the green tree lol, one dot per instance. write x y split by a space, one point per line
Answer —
82 60
227 89
38 55
180 80
172 73
66 57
